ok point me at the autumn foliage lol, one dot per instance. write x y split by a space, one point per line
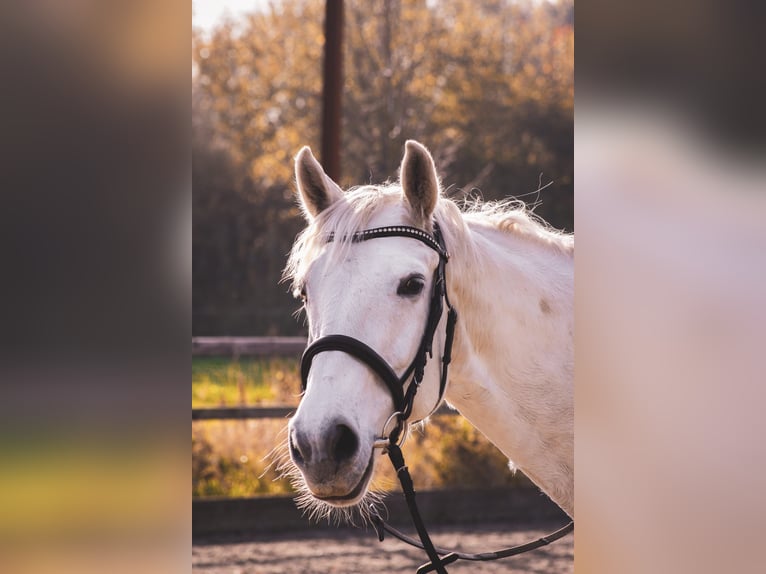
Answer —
487 86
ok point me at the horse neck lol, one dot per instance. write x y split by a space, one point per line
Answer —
513 358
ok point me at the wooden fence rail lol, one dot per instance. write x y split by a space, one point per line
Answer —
220 413
248 346
270 514
236 347
273 412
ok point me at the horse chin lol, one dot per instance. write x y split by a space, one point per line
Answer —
353 496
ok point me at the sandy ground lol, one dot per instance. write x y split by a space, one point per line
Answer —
356 551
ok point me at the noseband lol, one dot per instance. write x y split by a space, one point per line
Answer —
403 399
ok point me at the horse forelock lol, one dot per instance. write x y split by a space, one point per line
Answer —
342 218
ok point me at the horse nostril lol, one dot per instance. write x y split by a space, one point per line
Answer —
300 453
343 444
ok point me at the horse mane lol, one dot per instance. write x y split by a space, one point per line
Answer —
359 204
513 216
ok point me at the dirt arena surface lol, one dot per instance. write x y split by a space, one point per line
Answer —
347 551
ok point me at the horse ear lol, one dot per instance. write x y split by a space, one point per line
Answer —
316 190
420 184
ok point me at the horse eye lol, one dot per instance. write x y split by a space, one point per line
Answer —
303 294
410 286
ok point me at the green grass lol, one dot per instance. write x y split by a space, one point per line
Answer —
229 457
218 382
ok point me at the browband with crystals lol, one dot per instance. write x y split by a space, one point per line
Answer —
396 231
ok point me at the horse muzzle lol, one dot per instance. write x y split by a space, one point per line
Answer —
331 461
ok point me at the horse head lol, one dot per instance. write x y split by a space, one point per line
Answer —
375 292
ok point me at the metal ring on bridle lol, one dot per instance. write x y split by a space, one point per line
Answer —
384 441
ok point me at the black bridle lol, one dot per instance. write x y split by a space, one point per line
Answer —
404 399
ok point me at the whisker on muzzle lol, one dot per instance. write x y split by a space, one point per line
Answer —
317 510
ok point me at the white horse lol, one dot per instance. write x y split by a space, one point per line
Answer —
511 279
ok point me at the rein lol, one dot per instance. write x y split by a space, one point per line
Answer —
404 399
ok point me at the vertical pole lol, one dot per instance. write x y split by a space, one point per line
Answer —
332 88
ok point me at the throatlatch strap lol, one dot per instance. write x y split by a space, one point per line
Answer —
447 358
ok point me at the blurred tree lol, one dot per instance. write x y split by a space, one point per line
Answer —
487 86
